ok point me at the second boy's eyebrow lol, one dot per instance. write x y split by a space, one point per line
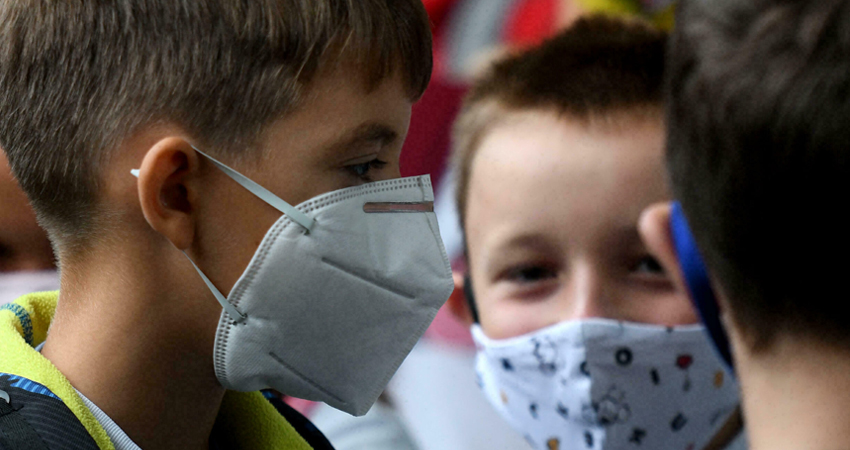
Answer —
525 241
627 236
364 135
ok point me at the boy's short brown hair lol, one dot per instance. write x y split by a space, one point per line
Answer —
79 76
758 151
598 67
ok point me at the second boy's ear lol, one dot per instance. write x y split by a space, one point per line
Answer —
457 303
164 193
654 228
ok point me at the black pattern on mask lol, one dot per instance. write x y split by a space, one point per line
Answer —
678 422
588 439
609 409
546 353
637 436
583 369
563 411
623 357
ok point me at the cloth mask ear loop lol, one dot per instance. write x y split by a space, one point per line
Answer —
469 296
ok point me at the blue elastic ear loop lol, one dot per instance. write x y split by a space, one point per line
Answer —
698 283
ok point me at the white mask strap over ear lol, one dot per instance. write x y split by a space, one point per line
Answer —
231 310
265 195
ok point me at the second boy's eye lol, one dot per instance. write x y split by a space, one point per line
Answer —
648 265
530 274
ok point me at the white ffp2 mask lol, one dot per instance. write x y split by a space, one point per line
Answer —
337 294
603 384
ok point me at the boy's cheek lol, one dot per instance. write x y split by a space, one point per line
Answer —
667 309
506 318
503 316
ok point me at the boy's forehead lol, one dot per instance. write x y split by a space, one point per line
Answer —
340 112
541 143
544 172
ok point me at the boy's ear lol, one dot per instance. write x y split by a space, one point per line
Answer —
164 190
654 228
457 303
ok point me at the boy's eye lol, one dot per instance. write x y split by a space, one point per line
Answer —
530 274
362 170
648 265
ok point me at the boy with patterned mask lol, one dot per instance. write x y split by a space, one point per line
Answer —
583 341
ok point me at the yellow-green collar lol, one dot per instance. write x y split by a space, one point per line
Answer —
246 419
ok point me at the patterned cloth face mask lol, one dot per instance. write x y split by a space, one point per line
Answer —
604 384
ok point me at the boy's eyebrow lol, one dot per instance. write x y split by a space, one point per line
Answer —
365 134
628 238
526 240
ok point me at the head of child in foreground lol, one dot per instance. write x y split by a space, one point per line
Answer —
757 154
558 151
302 102
124 123
247 85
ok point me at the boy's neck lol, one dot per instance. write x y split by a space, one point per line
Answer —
796 396
136 344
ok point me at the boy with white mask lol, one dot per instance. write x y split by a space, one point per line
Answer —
583 342
220 182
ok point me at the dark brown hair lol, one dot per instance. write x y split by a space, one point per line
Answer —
758 151
598 67
79 76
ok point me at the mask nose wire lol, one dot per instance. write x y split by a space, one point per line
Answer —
265 195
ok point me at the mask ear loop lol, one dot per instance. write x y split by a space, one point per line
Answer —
234 313
470 297
265 195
